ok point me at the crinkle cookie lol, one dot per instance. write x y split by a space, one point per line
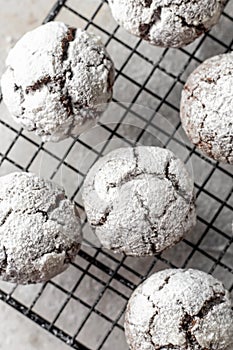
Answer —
139 201
180 310
167 23
58 81
40 232
207 107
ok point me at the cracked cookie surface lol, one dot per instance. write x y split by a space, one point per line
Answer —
182 310
58 81
167 23
207 107
139 201
40 229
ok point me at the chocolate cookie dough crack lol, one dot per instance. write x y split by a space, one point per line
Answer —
171 177
203 122
151 301
3 258
46 213
59 250
145 28
39 84
6 216
192 96
203 140
130 176
189 321
57 203
137 174
43 213
210 81
166 281
230 152
102 221
149 331
209 304
52 83
66 101
69 257
186 325
153 226
136 157
65 43
169 347
146 3
199 28
21 96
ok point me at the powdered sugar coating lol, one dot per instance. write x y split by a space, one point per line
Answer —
39 229
207 107
139 201
167 23
58 81
180 309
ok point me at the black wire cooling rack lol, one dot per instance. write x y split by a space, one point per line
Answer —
84 307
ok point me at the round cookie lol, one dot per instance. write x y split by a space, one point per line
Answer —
139 201
58 81
167 23
40 231
180 310
207 107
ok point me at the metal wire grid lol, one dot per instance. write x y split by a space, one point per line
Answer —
117 275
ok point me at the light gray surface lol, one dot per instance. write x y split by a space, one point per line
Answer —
18 17
18 333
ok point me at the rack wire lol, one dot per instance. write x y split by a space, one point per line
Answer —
85 306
